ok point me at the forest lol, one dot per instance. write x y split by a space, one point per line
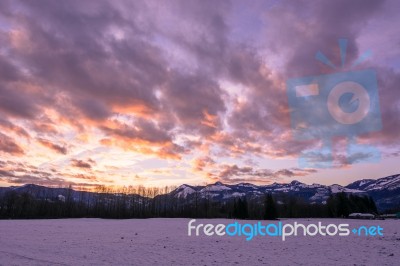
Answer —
155 202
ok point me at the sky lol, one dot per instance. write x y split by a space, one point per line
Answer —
161 93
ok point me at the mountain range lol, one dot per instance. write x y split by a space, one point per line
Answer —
385 191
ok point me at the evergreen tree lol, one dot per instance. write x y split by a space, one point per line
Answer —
270 208
244 209
240 209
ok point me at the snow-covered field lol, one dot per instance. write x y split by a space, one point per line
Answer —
165 242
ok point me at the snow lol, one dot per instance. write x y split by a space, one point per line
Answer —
321 194
390 183
393 187
237 194
337 188
284 189
234 195
314 185
247 185
165 242
215 188
185 190
181 187
357 214
364 181
61 198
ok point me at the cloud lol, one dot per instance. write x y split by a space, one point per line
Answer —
43 180
140 129
8 145
7 125
200 164
143 136
177 78
20 173
82 164
196 102
234 174
55 147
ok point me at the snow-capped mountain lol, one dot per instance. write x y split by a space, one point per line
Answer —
389 183
184 190
219 191
385 191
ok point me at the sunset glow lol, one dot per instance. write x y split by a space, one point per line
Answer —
123 93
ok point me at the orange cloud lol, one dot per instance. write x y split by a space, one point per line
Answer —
55 147
9 146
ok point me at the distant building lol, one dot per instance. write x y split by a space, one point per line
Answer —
357 215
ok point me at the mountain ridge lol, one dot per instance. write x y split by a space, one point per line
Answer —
385 191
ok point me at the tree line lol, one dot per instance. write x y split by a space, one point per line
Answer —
154 202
